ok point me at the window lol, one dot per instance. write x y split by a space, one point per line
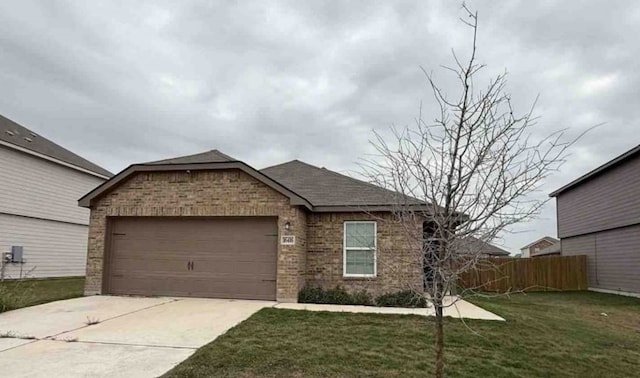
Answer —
359 249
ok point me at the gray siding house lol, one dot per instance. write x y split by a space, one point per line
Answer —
599 216
40 183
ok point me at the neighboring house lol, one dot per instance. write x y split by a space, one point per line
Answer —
599 216
208 225
485 249
40 183
538 245
552 250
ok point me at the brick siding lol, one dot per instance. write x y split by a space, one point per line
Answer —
399 264
198 193
315 259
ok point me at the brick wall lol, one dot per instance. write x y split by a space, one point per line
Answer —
199 193
399 264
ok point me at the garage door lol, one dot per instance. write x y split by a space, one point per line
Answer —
195 257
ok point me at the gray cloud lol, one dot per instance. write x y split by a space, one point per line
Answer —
121 82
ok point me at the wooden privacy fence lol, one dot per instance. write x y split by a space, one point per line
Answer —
528 274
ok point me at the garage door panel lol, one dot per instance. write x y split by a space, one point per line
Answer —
222 267
200 256
191 228
157 266
231 257
154 286
195 287
244 255
139 244
243 289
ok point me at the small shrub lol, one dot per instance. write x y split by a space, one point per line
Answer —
362 297
311 295
337 295
406 298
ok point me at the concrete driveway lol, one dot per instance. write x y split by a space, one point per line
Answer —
132 337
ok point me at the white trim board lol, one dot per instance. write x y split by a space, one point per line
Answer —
344 250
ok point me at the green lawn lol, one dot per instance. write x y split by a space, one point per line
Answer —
546 335
18 294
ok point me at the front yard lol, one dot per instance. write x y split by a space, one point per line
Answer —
546 334
18 294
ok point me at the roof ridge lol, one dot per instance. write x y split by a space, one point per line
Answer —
281 164
171 160
223 154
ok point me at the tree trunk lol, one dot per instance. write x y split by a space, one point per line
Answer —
439 340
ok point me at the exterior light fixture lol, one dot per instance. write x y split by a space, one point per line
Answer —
287 226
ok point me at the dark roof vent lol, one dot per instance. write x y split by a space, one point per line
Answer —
11 133
28 139
33 135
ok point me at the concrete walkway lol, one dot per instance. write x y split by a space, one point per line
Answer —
457 308
137 337
134 337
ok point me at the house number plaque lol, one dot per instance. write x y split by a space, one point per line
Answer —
288 240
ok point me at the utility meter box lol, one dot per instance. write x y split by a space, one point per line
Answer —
16 254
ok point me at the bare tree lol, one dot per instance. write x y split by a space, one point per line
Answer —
470 173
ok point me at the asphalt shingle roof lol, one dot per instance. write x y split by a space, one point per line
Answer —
323 187
317 187
20 136
475 245
213 156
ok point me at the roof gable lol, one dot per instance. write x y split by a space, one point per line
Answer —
22 138
547 238
318 189
210 160
553 249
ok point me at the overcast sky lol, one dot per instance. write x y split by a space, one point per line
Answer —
120 82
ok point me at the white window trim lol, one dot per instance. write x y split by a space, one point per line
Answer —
375 250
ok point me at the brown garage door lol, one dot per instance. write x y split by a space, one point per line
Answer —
195 257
